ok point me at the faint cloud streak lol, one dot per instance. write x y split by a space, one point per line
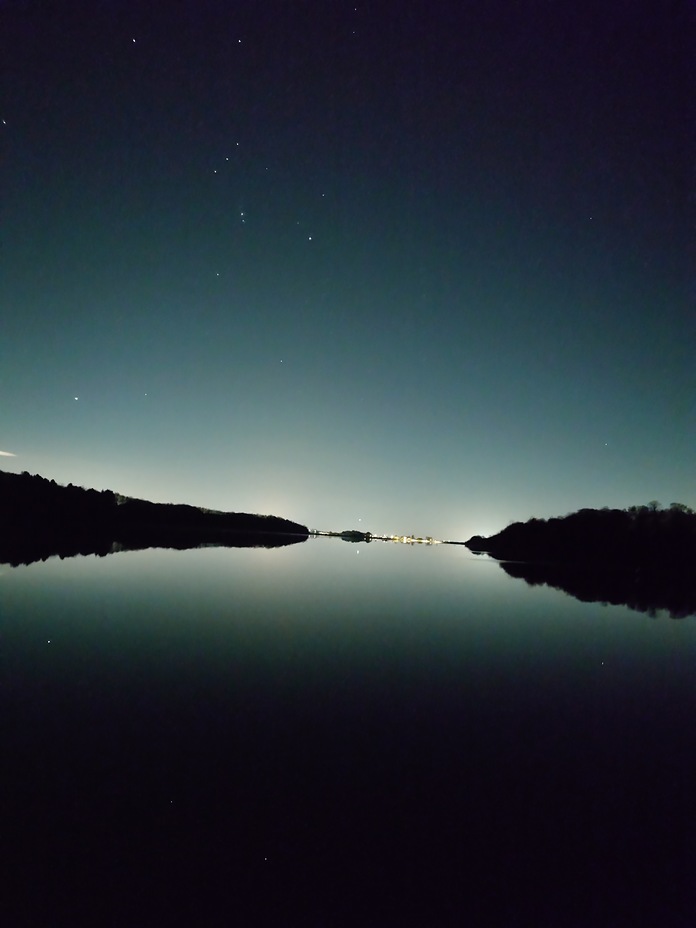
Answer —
7 454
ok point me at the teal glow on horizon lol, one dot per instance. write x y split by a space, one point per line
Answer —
318 266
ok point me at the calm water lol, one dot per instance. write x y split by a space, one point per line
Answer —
335 734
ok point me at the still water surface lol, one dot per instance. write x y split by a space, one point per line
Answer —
330 734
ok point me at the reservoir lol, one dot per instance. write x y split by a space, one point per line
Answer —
337 733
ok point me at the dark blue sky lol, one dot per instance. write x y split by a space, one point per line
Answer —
423 265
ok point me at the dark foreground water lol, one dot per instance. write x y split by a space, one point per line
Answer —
335 734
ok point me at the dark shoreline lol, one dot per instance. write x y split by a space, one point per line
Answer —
642 557
42 519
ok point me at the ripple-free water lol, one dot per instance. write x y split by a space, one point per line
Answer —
333 733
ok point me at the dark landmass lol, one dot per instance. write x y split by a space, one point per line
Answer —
347 535
642 557
354 535
638 536
40 518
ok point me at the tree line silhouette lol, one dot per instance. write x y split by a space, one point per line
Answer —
40 518
639 535
642 556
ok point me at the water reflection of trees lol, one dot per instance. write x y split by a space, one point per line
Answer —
27 551
42 519
644 589
641 557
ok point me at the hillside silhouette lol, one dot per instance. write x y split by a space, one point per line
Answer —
40 518
642 557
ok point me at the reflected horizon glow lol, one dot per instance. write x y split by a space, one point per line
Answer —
340 711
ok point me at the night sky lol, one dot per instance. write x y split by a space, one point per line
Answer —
407 267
